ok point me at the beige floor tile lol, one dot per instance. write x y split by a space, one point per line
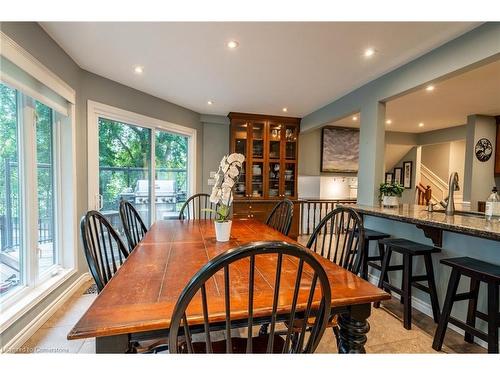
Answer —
71 311
51 340
417 345
88 347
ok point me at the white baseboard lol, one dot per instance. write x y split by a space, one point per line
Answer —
30 329
426 309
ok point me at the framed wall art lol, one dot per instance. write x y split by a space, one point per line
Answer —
339 149
407 172
389 178
398 175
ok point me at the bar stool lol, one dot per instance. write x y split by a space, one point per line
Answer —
478 271
372 235
409 249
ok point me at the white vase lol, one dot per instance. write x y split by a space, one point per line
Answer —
223 230
390 201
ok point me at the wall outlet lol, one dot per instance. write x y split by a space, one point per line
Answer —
211 182
212 174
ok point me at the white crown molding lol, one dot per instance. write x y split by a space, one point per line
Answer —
25 61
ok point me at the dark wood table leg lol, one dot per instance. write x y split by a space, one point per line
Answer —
112 344
353 328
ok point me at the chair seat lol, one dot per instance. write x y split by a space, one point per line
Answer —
372 235
402 245
483 271
259 345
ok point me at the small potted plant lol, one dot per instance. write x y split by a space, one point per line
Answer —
390 193
222 193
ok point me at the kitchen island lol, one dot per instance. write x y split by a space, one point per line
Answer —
464 234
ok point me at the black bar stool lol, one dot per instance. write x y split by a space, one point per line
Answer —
372 235
409 249
478 271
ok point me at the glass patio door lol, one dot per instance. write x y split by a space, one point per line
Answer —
135 159
124 169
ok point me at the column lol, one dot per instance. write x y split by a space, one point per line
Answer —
371 152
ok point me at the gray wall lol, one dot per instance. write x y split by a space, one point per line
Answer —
437 159
408 196
33 39
216 145
480 176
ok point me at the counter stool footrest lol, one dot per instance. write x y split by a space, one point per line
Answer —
419 278
395 268
393 288
467 328
375 265
483 316
423 288
463 296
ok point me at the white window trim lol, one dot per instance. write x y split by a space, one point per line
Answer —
21 301
24 60
96 110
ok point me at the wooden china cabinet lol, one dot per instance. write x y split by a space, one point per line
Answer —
269 174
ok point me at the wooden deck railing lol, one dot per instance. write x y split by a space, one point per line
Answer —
312 212
424 194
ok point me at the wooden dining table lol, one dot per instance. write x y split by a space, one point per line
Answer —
138 302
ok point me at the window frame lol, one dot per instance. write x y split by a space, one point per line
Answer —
34 288
96 110
28 203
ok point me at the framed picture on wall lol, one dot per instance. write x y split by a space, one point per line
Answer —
339 149
398 175
388 178
407 172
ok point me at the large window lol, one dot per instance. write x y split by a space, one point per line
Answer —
29 244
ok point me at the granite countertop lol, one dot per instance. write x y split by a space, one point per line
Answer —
472 225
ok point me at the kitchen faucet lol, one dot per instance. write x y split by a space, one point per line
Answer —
452 187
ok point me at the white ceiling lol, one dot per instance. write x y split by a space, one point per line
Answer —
474 92
301 66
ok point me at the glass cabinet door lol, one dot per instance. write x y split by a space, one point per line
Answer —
290 175
240 143
274 137
290 142
258 140
274 178
257 180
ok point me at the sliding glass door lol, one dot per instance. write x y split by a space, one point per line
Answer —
140 162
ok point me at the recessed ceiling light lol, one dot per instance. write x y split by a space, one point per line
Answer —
429 88
285 109
354 118
388 122
232 44
369 52
138 69
210 102
421 125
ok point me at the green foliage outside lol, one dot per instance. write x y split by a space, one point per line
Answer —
8 148
126 149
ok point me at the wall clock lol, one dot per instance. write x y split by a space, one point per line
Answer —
483 149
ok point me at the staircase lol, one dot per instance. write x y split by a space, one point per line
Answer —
438 187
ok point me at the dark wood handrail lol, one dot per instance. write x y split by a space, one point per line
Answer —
424 194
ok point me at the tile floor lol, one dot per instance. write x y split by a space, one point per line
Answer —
386 335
